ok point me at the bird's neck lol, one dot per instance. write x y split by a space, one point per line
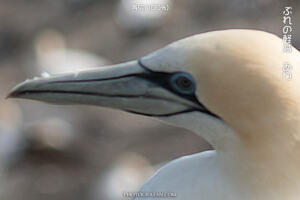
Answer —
270 171
265 160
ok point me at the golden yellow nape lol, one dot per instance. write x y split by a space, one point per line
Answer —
237 89
241 74
246 68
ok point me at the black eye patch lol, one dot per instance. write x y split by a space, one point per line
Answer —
180 83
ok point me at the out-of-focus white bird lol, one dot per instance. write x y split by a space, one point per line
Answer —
230 87
127 173
54 133
53 57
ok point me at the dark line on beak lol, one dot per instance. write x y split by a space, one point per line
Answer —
89 93
124 96
93 94
96 80
176 113
110 78
161 115
70 92
144 67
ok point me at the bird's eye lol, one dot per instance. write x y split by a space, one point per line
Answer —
183 83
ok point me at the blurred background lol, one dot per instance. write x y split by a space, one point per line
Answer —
81 152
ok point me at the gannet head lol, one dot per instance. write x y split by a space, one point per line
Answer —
225 80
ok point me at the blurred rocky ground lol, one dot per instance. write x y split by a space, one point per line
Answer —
80 152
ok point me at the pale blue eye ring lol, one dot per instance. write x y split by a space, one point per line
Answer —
183 83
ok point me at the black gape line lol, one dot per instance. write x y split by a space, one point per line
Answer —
163 80
162 115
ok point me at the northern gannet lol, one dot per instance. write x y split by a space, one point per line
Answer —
226 86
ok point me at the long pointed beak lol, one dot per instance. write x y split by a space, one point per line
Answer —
127 86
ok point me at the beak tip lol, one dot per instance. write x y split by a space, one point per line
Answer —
16 92
12 94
